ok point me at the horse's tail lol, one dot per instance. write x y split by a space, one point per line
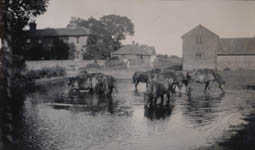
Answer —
218 78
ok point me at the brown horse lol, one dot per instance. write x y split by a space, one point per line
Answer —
143 76
158 87
205 76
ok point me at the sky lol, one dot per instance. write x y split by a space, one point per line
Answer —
160 23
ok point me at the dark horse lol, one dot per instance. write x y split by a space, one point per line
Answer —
158 87
94 82
205 76
143 76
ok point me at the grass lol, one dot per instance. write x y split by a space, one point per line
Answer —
238 79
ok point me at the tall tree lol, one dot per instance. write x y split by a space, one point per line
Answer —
119 27
105 36
14 16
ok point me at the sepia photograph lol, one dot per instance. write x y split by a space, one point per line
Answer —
127 74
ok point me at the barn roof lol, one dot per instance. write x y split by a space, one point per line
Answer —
236 46
54 32
199 27
131 50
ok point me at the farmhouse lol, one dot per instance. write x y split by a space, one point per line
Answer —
203 48
75 37
135 55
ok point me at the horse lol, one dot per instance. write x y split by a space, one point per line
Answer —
205 76
158 87
106 85
143 76
177 78
90 81
79 83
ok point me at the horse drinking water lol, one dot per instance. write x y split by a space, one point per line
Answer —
205 76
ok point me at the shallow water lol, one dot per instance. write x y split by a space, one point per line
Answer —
122 122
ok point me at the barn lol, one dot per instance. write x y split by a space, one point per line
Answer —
203 48
135 55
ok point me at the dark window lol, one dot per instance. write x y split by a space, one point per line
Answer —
28 41
200 55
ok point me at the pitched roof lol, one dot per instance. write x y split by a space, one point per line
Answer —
201 27
236 46
131 50
53 32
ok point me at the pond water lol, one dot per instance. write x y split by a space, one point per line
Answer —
55 119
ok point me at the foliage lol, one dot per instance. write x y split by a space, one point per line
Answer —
46 73
118 26
60 50
17 13
106 34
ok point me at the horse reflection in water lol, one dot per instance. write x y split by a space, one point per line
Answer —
86 101
202 110
154 111
157 112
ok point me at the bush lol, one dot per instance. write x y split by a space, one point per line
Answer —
226 69
46 73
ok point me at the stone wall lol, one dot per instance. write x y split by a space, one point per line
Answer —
67 64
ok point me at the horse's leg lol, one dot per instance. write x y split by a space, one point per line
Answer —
220 86
168 99
155 101
188 89
206 86
162 100
136 84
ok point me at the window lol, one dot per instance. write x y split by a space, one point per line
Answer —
28 41
200 55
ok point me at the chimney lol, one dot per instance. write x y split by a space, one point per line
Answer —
32 26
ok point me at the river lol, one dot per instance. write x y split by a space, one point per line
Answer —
54 119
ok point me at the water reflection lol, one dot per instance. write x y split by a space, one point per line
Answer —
85 101
201 110
158 112
56 118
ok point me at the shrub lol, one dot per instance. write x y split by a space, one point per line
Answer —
226 69
46 73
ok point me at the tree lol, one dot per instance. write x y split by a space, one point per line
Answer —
105 36
118 26
14 16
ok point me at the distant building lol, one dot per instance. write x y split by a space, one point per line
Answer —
75 37
204 49
135 54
